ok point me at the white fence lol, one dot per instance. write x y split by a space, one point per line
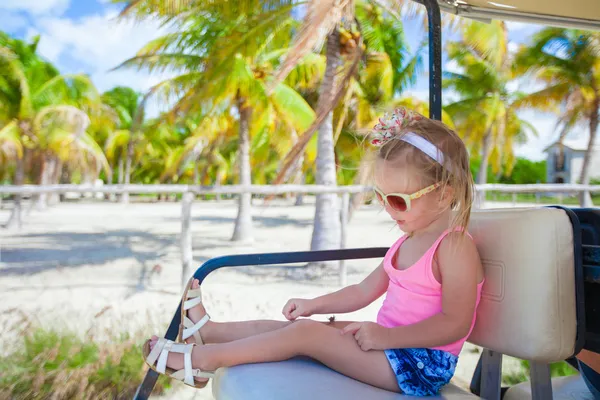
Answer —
189 191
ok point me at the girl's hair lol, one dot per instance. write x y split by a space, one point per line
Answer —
455 172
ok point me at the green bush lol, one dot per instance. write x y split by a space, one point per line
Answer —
48 364
556 369
524 171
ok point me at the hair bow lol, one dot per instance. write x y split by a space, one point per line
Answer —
388 127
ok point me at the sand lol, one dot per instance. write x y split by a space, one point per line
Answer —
106 267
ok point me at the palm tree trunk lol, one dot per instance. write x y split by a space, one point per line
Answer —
243 222
121 171
365 169
127 178
299 179
196 177
109 181
48 167
585 199
15 219
486 147
54 198
219 182
327 226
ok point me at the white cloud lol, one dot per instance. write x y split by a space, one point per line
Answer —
37 7
521 29
545 125
420 94
95 44
47 48
452 66
12 21
99 41
533 149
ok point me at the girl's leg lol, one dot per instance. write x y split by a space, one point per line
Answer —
223 332
302 338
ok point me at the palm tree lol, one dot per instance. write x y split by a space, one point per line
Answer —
486 113
322 24
360 95
46 111
203 46
129 107
567 63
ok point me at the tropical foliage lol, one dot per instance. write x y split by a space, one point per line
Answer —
280 91
486 113
566 62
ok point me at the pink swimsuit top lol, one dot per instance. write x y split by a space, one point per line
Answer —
414 294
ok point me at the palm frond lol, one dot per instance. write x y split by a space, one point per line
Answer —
321 18
292 107
324 109
10 140
546 99
16 68
116 141
67 89
307 74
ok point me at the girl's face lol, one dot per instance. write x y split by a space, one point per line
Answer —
390 178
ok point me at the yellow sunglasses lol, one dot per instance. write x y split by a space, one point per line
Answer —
401 201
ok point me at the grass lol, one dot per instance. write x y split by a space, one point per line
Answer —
556 369
542 199
50 364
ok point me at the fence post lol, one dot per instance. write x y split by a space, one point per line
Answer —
479 198
514 199
186 236
344 225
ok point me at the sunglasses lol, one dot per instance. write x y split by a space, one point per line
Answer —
401 201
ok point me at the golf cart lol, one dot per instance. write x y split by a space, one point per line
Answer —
541 299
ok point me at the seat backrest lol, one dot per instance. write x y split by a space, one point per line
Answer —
528 307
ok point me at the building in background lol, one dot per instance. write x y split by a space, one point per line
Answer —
565 166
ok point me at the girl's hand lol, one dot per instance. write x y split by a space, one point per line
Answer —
295 308
368 335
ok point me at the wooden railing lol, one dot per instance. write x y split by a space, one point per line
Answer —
189 193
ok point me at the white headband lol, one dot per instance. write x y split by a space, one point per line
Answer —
425 146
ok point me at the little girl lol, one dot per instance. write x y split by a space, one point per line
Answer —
432 277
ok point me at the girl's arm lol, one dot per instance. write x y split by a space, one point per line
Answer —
353 297
461 270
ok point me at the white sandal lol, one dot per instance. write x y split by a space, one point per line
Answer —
159 355
187 328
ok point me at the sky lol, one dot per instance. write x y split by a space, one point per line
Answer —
85 36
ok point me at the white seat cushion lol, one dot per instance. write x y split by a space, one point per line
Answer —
301 379
529 293
563 388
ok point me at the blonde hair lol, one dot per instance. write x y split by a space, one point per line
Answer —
455 172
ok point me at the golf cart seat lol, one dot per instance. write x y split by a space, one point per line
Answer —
301 379
531 308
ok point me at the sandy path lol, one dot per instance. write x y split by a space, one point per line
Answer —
75 261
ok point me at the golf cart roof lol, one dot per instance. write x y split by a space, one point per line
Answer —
583 14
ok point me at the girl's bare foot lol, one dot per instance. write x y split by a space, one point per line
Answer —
175 360
195 314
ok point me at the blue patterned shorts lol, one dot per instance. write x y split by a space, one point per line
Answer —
421 372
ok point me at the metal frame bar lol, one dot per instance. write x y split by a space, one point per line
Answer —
541 383
487 14
434 23
491 375
213 264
